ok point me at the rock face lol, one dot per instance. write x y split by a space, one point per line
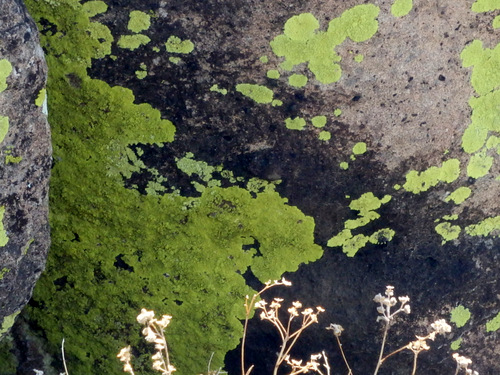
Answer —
25 160
204 147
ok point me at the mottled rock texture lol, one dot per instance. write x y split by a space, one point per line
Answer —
353 145
25 160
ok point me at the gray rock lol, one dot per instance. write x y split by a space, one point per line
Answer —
25 160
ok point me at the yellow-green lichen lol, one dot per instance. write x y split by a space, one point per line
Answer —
344 165
459 195
258 93
297 123
176 45
359 58
8 322
485 227
302 43
401 8
359 148
493 324
366 205
174 59
185 255
448 231
455 345
93 8
337 112
397 187
479 164
319 121
216 88
3 233
460 316
4 127
133 42
496 22
264 59
138 21
273 74
142 72
5 70
297 80
417 182
9 159
40 99
324 135
276 103
3 271
485 6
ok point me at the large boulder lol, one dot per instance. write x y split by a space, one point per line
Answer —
352 144
25 160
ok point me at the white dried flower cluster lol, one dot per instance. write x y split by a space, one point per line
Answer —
387 301
125 357
463 363
153 333
283 281
336 328
311 365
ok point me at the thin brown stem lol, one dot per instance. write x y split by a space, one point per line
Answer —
415 363
380 359
343 355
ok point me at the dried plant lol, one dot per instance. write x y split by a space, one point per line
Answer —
290 326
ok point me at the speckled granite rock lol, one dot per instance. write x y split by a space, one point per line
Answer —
25 159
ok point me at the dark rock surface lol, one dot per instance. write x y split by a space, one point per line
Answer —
25 159
407 100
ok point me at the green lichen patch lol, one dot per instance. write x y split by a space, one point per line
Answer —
3 271
297 123
10 159
132 42
264 59
417 182
459 195
258 93
319 121
455 345
401 8
337 112
324 135
174 44
40 99
460 316
175 254
448 231
493 324
359 58
344 165
174 60
276 103
216 88
485 227
5 70
367 205
3 233
496 22
359 148
93 8
273 74
8 322
480 6
138 21
297 80
4 127
479 164
302 43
